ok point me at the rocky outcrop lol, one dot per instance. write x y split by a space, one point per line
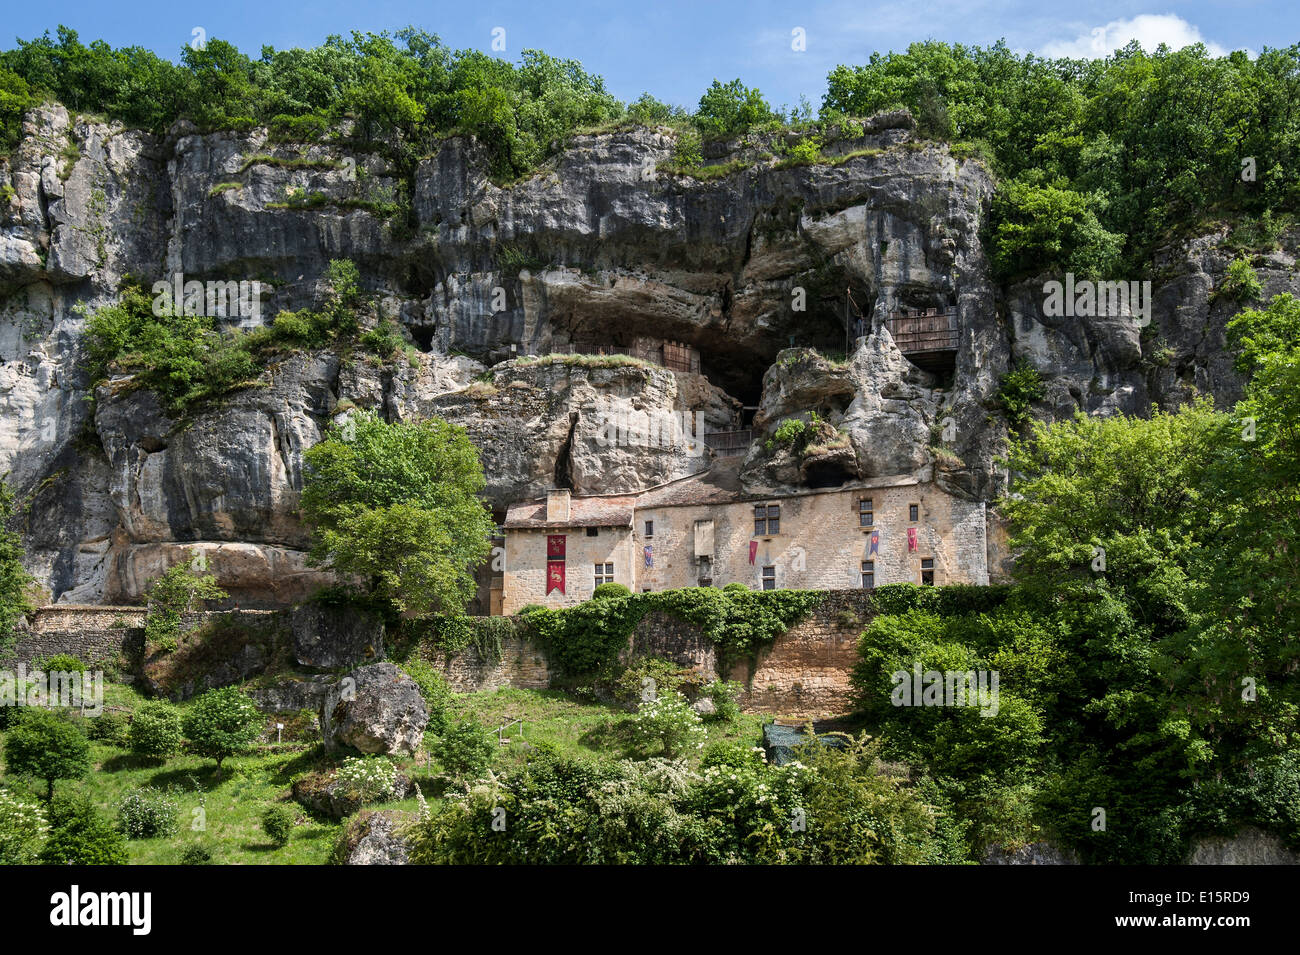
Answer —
327 795
376 838
375 709
330 637
601 245
1032 853
1248 847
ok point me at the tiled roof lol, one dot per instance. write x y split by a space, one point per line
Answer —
583 512
719 485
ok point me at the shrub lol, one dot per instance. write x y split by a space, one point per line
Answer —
111 726
59 663
277 823
735 587
196 853
669 724
466 749
1241 283
146 813
23 828
79 835
725 695
433 687
155 731
172 594
646 678
221 723
373 778
45 745
603 591
1019 389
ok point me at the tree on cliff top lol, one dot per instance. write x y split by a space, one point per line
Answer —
396 506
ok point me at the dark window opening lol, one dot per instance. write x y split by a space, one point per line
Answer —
769 578
868 574
866 516
914 512
649 529
593 531
604 574
927 571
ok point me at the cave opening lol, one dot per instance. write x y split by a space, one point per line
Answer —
824 474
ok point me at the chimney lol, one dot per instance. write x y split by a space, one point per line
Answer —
557 506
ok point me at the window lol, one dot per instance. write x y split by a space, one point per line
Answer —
866 514
769 578
767 520
593 531
914 512
868 574
927 571
649 529
706 582
604 574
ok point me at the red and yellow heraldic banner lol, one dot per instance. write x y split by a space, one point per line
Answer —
555 562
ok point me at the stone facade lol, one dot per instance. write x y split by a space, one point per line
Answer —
699 533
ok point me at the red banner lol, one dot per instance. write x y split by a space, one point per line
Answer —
753 549
555 575
911 538
555 546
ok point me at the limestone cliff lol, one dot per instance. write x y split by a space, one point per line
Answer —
750 267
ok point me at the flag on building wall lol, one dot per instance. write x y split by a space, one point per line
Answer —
875 543
555 562
911 538
649 555
753 550
555 575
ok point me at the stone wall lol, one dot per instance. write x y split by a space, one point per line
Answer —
803 675
93 616
98 646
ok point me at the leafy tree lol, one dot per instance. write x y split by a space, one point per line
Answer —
46 745
14 579
15 99
732 108
180 588
155 731
222 723
397 506
80 835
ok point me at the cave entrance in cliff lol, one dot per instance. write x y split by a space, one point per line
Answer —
823 474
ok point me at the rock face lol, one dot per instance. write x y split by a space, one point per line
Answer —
596 248
329 637
1248 847
1034 853
375 709
376 838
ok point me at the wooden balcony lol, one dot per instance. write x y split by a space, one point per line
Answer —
729 443
928 337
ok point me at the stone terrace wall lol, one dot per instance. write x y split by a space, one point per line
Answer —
804 674
95 617
102 646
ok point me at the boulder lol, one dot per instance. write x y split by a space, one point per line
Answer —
1250 846
375 838
375 709
1033 853
704 707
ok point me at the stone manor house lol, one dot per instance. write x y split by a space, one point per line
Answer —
704 531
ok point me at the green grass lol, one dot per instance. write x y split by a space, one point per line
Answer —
234 799
572 726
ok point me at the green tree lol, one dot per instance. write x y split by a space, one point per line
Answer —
180 589
80 835
222 723
155 731
397 506
46 745
728 109
14 579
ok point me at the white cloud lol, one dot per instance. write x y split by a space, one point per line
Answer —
1149 29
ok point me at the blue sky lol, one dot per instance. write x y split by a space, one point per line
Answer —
676 48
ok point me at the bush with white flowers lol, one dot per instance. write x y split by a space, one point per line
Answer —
668 722
23 828
373 777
